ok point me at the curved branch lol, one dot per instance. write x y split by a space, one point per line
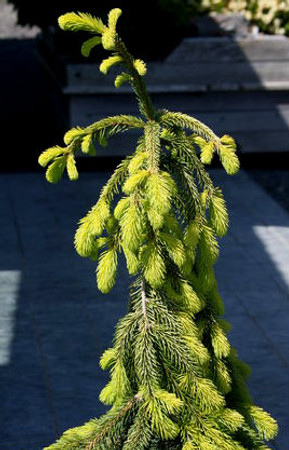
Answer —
120 414
181 120
119 123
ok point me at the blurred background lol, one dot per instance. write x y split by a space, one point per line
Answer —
226 63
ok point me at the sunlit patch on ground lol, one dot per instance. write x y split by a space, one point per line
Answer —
10 283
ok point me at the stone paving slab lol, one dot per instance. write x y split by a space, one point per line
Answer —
56 324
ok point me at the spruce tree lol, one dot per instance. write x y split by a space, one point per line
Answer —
176 382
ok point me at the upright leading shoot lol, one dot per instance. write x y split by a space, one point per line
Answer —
176 382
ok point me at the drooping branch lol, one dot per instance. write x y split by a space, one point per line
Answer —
109 426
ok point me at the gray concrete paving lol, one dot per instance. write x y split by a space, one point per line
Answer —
55 324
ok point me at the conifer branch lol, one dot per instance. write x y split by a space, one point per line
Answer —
183 121
185 150
188 202
116 123
112 186
121 413
136 80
